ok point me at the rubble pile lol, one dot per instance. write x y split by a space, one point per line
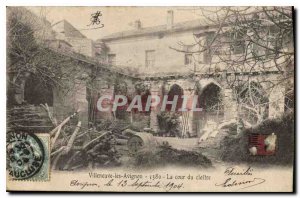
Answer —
99 152
104 153
75 147
28 118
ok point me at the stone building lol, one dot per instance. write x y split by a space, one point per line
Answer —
80 43
146 56
153 53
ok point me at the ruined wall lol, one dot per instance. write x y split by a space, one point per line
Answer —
82 46
73 95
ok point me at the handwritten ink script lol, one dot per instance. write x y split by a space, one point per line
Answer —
242 178
164 182
96 20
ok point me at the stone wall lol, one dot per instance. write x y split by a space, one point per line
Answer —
82 46
132 52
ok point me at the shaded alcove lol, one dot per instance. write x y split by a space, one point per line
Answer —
210 100
37 92
175 90
121 88
140 118
170 121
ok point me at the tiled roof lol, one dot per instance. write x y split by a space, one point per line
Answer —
177 27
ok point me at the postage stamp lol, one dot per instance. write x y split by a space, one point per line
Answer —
27 156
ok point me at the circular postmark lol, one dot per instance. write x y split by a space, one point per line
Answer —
25 154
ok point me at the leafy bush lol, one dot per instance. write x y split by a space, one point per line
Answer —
235 148
169 123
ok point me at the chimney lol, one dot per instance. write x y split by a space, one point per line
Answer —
170 19
137 24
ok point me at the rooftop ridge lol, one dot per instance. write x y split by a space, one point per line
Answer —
180 26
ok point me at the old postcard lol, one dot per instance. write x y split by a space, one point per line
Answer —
150 99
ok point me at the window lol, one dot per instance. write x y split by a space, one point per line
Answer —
257 50
150 58
237 43
207 56
188 59
209 45
273 44
112 59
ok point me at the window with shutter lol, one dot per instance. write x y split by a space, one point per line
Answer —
149 58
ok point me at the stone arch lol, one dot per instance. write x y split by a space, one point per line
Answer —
15 89
141 118
206 82
210 100
184 84
253 102
175 89
209 95
143 89
166 116
121 88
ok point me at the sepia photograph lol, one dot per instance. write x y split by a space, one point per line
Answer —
150 99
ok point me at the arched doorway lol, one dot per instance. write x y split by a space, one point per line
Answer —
175 90
140 117
121 88
210 100
171 122
253 103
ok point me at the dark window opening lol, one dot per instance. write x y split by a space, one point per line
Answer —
175 90
150 58
272 45
188 59
209 45
238 43
210 99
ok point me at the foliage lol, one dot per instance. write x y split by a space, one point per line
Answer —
243 41
28 52
235 148
253 102
120 87
141 88
169 123
21 46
